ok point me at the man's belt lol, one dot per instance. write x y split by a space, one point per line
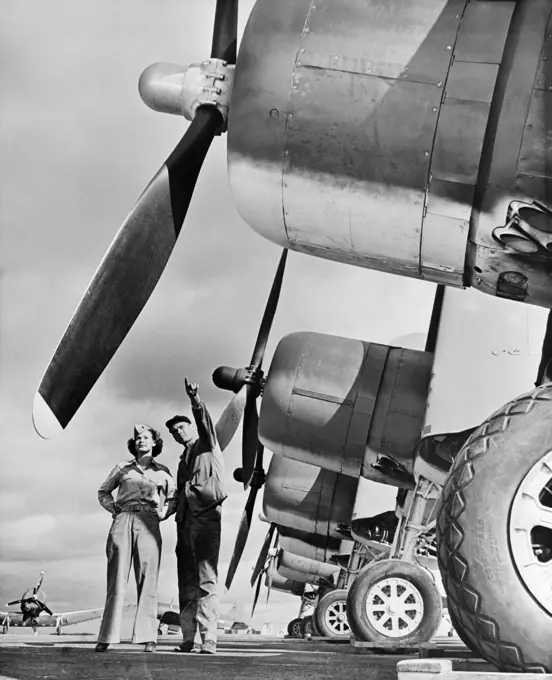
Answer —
137 506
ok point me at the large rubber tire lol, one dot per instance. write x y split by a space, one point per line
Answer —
458 628
294 628
315 630
425 597
487 598
330 616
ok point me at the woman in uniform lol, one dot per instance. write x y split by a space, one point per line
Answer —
144 489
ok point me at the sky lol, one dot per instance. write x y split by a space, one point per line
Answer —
77 148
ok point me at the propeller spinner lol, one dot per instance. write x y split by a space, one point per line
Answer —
135 260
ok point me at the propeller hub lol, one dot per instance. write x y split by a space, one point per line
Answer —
232 379
181 90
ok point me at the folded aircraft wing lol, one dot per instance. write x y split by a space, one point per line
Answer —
69 618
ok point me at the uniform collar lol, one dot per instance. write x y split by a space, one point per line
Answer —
187 447
153 462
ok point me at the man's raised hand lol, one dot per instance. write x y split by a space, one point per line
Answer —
192 390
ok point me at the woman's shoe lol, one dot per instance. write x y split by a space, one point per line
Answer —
102 647
209 647
150 647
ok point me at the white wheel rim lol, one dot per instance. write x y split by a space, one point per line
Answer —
335 618
394 607
531 508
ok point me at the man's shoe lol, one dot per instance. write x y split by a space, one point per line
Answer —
102 647
185 648
208 647
150 647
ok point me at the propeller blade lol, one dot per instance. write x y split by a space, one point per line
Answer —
243 533
39 582
10 604
230 418
250 436
124 280
257 591
225 31
45 607
270 311
261 560
269 576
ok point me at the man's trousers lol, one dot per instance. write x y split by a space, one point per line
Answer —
197 554
134 538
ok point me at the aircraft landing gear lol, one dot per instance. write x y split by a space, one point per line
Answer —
294 628
494 536
330 615
393 601
307 627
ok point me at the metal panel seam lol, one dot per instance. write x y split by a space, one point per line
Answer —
443 85
288 409
362 373
292 87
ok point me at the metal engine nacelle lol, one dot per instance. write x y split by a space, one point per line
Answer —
284 584
307 498
312 546
345 405
305 570
408 137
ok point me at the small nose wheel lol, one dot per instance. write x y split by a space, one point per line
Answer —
294 628
392 602
330 615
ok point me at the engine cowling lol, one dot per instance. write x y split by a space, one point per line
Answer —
305 570
408 137
284 584
313 546
308 498
339 403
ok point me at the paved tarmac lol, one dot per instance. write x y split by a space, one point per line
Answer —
68 657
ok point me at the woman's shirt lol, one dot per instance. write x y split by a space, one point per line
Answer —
153 484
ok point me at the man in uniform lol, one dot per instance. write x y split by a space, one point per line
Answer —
197 504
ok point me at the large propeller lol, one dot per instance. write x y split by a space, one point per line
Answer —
248 383
135 260
30 599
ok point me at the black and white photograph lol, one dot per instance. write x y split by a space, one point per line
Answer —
275 344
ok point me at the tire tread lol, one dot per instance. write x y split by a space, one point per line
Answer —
482 631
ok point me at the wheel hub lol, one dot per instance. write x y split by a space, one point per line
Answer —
394 607
531 531
335 618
